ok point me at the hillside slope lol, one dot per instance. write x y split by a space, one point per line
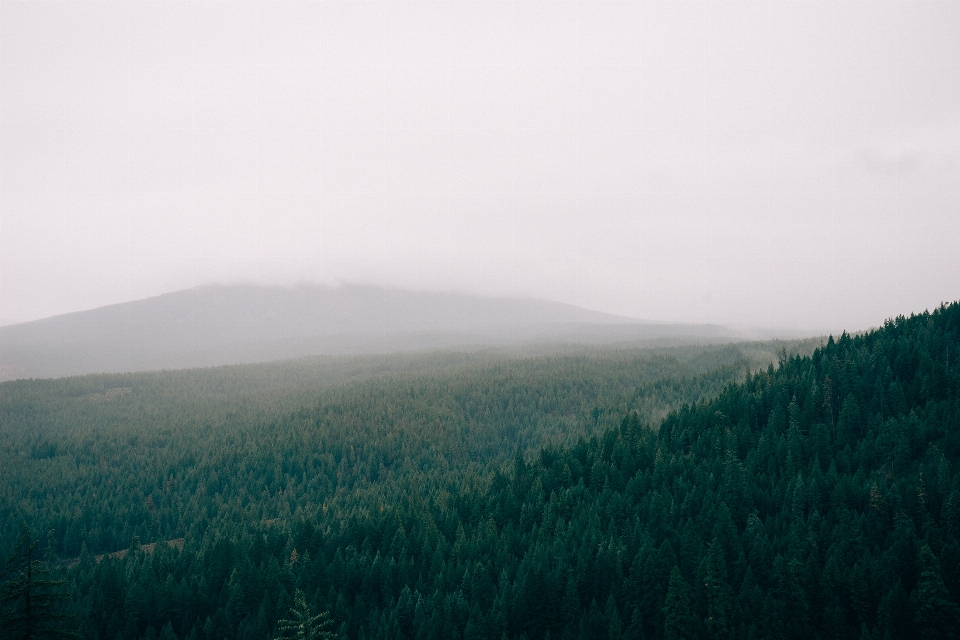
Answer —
217 325
816 499
447 412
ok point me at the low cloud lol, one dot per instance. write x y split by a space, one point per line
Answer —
926 148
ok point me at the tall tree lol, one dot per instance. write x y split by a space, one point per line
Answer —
303 624
31 602
717 593
678 622
937 615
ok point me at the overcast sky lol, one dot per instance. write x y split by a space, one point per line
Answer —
777 164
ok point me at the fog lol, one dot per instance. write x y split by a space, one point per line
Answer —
767 164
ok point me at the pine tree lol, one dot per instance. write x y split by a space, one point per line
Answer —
167 633
571 601
716 592
614 623
303 624
30 601
937 615
236 607
795 614
678 623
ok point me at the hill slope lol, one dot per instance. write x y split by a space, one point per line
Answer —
817 499
216 325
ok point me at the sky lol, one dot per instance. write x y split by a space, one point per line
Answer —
762 164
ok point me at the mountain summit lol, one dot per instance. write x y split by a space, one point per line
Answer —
228 324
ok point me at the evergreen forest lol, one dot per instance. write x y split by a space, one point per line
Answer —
730 491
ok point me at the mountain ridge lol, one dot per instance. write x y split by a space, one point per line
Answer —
228 324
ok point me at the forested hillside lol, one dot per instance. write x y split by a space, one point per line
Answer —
816 498
160 455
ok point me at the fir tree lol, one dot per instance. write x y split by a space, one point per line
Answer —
716 592
31 601
937 615
678 623
303 624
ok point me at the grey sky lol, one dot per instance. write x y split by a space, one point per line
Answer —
791 164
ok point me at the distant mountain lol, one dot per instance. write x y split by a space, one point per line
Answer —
215 325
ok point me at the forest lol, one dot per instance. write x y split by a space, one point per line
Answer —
732 491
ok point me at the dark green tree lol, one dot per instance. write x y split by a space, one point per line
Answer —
303 624
31 602
716 592
937 615
678 623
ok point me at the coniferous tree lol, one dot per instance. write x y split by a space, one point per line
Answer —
937 616
31 602
678 621
303 624
716 592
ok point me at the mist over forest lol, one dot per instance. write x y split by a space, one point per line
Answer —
219 325
753 489
518 320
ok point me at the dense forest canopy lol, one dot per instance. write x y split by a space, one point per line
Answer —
532 498
104 457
